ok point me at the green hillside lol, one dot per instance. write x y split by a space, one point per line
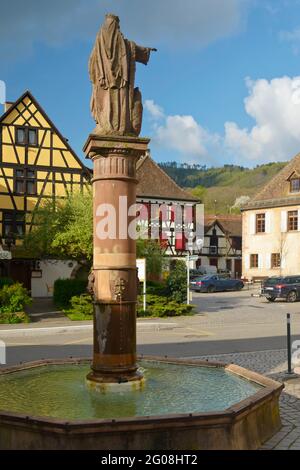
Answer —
225 185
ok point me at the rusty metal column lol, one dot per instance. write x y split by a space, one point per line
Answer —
114 266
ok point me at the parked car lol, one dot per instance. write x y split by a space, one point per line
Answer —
285 287
215 283
202 271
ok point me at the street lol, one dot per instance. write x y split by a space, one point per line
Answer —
226 323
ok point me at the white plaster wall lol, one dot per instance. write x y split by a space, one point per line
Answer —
276 241
51 271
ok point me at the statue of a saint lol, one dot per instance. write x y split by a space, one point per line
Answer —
116 104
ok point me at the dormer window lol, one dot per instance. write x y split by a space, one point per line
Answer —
295 185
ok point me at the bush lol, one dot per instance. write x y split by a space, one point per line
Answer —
5 281
65 289
81 308
156 288
13 300
14 318
177 282
161 306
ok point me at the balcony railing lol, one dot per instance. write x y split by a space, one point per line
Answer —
220 251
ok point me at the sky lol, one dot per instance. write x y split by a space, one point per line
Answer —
223 87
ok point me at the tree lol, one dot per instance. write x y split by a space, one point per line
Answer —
63 229
199 192
152 251
176 282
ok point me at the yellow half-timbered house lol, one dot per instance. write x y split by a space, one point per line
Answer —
36 162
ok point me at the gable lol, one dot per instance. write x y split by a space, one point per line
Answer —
52 149
277 191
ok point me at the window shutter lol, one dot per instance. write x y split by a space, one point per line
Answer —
284 221
269 222
268 261
252 224
260 262
247 262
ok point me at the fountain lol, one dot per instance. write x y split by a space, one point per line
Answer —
152 403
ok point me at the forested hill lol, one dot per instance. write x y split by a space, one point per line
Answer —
222 189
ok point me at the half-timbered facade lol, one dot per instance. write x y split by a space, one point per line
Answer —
36 163
222 246
168 212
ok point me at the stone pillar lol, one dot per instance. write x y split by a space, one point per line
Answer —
114 266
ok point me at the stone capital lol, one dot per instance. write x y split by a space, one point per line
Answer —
103 146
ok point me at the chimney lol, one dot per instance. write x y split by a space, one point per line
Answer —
7 105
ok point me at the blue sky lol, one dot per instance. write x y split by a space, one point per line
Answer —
224 86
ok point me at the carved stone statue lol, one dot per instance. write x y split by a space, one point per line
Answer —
116 104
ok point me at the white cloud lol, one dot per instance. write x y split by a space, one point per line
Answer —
155 111
275 107
180 133
173 23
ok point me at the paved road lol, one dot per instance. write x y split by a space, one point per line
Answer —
226 323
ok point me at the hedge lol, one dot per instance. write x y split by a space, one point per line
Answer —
65 289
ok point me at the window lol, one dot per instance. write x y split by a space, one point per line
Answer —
236 243
260 223
180 242
26 136
275 260
21 136
13 223
32 136
254 261
25 182
292 221
229 264
295 185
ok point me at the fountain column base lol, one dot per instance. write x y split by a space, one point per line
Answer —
107 384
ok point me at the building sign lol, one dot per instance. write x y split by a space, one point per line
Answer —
5 254
141 265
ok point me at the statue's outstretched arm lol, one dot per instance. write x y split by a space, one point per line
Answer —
142 54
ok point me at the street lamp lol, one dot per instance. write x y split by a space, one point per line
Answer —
9 241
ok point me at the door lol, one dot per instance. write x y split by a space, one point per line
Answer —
213 262
238 268
20 271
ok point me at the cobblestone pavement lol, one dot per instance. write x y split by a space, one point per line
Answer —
274 365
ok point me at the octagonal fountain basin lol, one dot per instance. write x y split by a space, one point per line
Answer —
183 404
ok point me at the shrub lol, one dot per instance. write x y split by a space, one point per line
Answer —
14 318
161 306
13 300
5 281
177 282
156 288
65 289
81 308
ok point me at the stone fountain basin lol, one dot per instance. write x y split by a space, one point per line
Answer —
245 425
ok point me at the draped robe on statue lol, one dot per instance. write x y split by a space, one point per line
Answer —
116 105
